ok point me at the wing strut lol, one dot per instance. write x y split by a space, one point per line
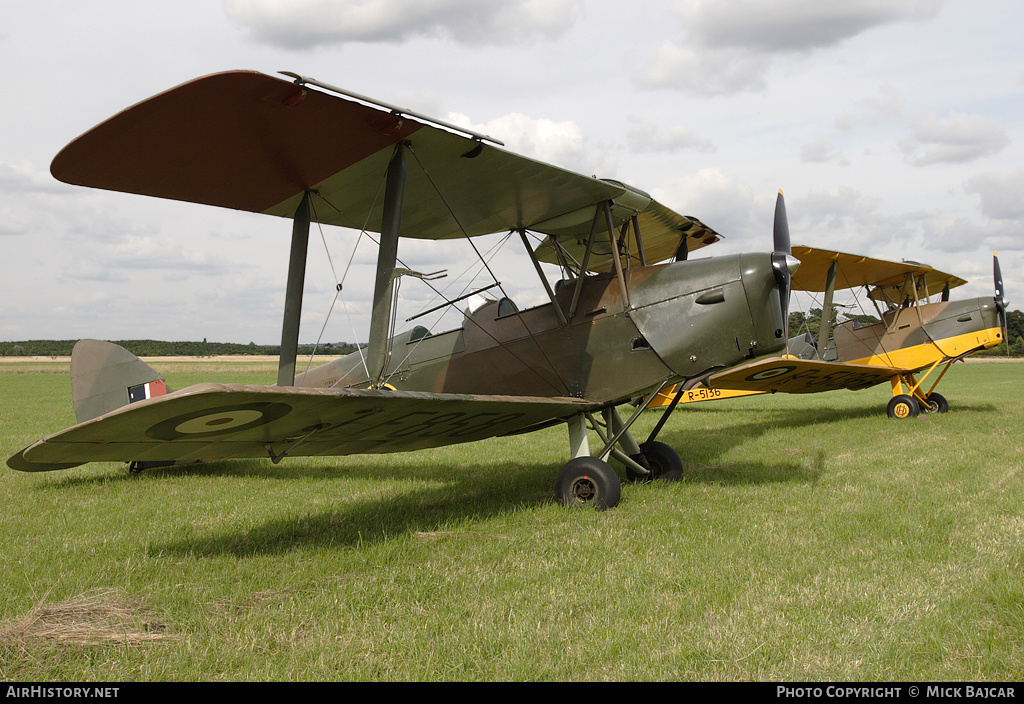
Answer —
607 208
293 294
826 310
639 242
578 289
543 279
380 322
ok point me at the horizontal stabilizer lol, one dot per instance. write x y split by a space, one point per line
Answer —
223 421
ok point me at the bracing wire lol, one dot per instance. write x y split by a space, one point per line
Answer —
494 278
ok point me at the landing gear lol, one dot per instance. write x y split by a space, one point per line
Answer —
588 481
661 460
937 403
903 406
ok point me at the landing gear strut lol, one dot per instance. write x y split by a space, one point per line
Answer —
587 480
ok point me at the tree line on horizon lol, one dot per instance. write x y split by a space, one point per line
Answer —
799 322
159 348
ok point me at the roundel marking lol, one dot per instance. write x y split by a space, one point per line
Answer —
770 373
226 420
220 420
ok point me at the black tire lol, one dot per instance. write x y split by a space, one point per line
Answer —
937 403
663 461
903 406
588 481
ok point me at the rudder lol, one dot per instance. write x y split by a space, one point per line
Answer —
105 377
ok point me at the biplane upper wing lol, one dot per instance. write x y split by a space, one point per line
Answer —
221 421
665 234
253 142
792 375
886 279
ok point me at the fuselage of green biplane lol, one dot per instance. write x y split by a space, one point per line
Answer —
610 350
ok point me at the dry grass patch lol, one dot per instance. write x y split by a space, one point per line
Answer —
102 617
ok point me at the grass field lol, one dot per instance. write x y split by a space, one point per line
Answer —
812 539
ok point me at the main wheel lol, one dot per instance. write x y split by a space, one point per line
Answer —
663 462
937 403
588 481
903 406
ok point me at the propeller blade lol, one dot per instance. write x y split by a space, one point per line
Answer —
783 263
997 276
781 234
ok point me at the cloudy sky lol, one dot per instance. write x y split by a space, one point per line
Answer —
896 130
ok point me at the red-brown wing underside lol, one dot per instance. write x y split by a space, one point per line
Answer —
253 142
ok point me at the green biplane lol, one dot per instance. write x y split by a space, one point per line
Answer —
616 326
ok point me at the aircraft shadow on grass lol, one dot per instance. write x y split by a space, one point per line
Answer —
477 491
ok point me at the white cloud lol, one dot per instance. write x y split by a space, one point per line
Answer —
1002 193
821 151
26 178
303 24
646 137
844 219
559 143
707 71
954 140
720 201
793 25
961 234
887 105
728 46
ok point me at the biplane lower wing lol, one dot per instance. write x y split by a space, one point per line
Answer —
800 376
223 421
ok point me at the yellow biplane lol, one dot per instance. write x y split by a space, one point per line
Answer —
919 335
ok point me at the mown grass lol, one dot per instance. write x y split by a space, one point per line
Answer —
812 539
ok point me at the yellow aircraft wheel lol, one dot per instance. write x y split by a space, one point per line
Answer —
937 403
588 481
903 406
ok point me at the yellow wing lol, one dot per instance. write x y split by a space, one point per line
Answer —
853 271
801 376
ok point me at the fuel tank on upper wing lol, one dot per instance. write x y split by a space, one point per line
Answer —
706 314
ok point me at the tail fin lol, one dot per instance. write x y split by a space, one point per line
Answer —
105 376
